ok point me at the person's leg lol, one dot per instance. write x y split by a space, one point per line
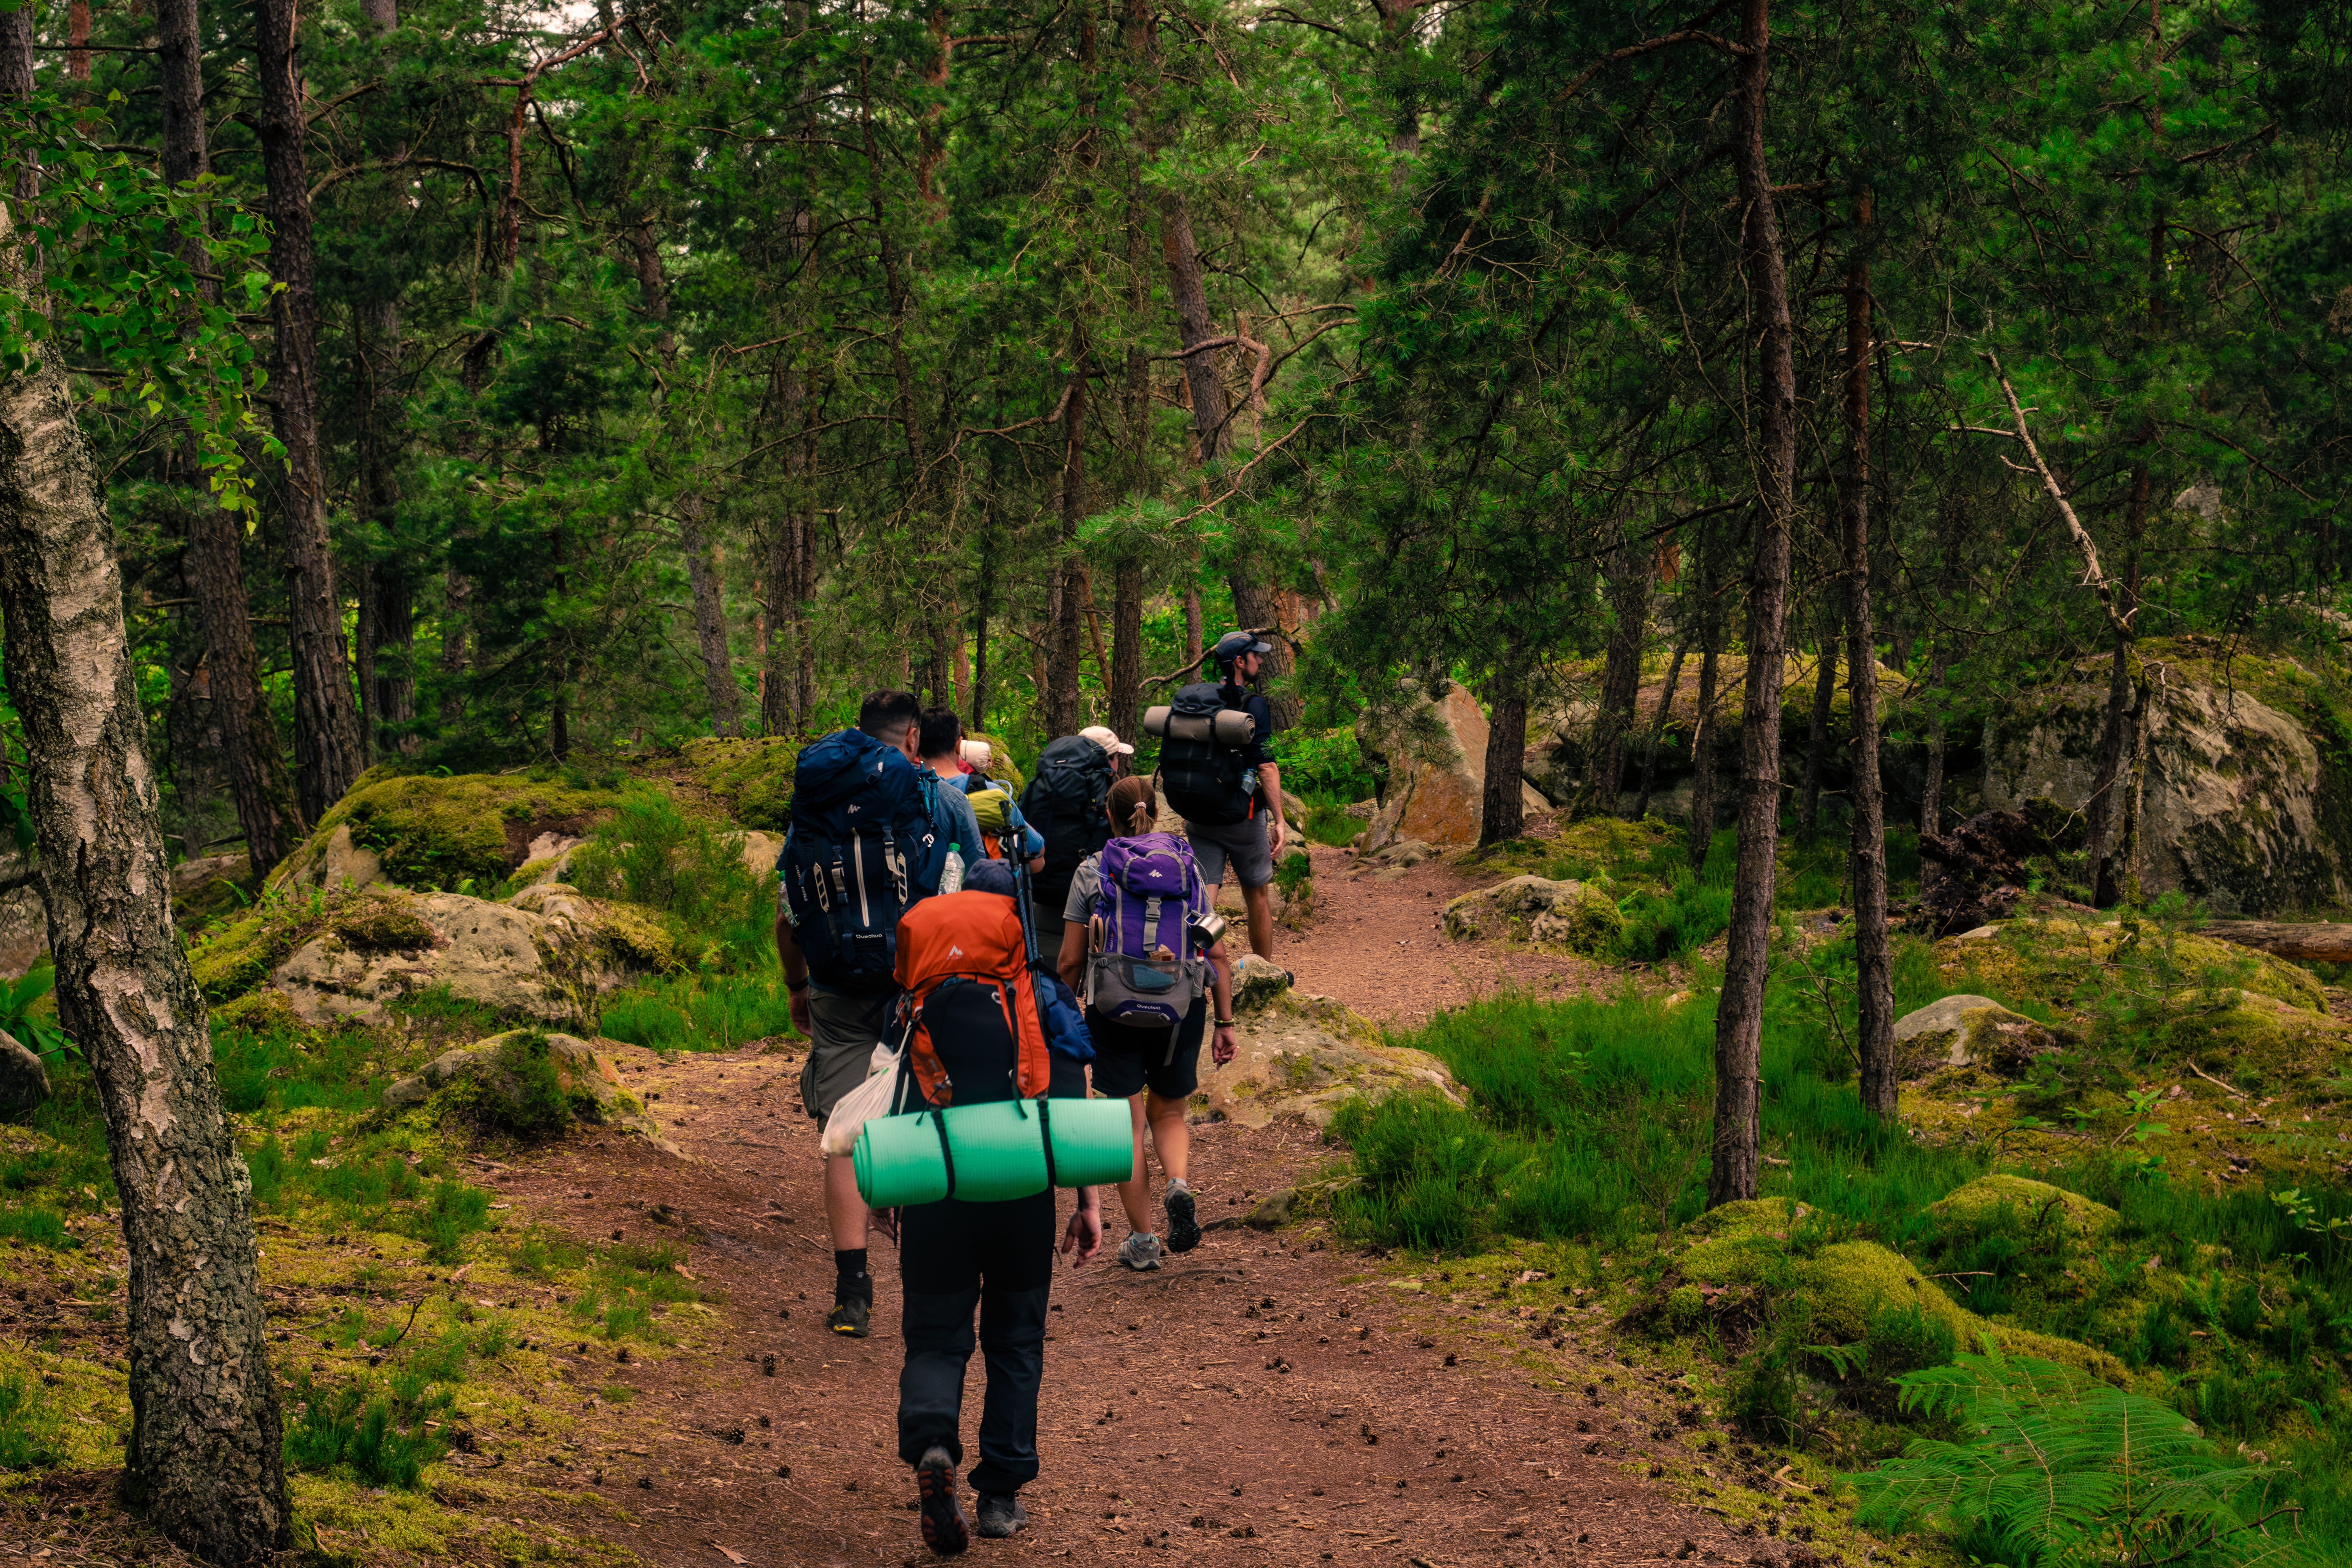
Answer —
1259 901
843 1031
940 1270
1171 1140
1135 1193
1018 1278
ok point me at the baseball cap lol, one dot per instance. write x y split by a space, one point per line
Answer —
1233 645
1108 741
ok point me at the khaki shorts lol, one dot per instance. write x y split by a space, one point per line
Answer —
843 1032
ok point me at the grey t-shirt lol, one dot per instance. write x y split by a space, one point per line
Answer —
1085 883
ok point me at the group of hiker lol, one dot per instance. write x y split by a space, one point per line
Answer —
980 947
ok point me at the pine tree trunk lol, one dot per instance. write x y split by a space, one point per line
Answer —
214 564
326 718
703 576
1739 1016
1873 971
1809 813
1931 787
1621 674
1658 725
1127 650
1702 724
204 1458
1502 813
1069 605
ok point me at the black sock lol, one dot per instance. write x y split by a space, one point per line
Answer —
849 1273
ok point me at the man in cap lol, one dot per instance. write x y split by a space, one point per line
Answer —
1118 750
1243 828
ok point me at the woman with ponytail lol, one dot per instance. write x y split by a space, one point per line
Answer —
1155 1069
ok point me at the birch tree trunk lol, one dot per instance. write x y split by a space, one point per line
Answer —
204 1457
326 718
1739 1017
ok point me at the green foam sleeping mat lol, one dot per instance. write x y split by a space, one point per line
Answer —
992 1151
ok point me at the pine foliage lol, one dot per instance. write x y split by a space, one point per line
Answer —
2063 1471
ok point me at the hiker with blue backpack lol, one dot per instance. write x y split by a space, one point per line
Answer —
1144 950
1217 765
872 834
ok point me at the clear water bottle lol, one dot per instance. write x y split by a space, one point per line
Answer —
951 874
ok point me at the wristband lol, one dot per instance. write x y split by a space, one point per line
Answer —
796 985
1224 1023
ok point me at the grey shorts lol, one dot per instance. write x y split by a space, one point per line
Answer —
1242 843
843 1033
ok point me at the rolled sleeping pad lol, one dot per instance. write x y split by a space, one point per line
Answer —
996 1151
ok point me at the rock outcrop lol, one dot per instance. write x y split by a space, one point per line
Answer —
584 1070
1969 1031
2242 808
1435 761
1540 910
547 955
24 1081
426 833
1299 1056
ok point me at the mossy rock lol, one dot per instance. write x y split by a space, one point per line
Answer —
1590 924
751 776
236 959
1985 1199
437 833
380 923
262 1012
1847 1284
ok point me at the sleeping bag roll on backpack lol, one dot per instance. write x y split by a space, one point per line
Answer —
993 1152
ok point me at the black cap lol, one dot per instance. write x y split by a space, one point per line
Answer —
1233 645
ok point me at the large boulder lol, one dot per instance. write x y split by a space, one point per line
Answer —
547 955
444 833
24 1081
1434 759
1298 1057
1540 910
584 1072
2242 808
1969 1031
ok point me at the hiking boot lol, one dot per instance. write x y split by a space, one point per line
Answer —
1140 1251
851 1316
1001 1514
1183 1224
945 1528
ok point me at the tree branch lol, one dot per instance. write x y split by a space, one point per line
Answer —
2094 576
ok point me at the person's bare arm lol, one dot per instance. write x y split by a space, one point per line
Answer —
1071 962
788 953
1269 783
1221 992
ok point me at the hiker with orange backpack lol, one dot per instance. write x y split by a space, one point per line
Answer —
1142 945
865 844
973 1031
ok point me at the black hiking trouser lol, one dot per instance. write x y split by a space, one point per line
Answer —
955 1256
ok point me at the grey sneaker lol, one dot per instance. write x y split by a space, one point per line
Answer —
1001 1514
1140 1251
1183 1225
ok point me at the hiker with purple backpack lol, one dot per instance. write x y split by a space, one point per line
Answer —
1142 945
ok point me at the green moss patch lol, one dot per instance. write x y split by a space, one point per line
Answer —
440 833
751 777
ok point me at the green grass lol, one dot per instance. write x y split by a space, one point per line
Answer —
1588 1126
700 1012
649 853
28 1427
627 1290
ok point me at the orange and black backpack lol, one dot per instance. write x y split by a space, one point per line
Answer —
967 1006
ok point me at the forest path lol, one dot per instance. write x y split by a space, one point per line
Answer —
1375 945
1221 1409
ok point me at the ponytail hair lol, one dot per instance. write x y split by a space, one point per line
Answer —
1132 807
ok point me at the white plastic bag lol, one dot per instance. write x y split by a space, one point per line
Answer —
869 1098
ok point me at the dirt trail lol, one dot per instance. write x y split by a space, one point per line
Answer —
1375 943
1225 1409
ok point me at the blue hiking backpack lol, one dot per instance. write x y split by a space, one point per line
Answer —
861 821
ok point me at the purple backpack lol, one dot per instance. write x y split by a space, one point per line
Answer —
1149 890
